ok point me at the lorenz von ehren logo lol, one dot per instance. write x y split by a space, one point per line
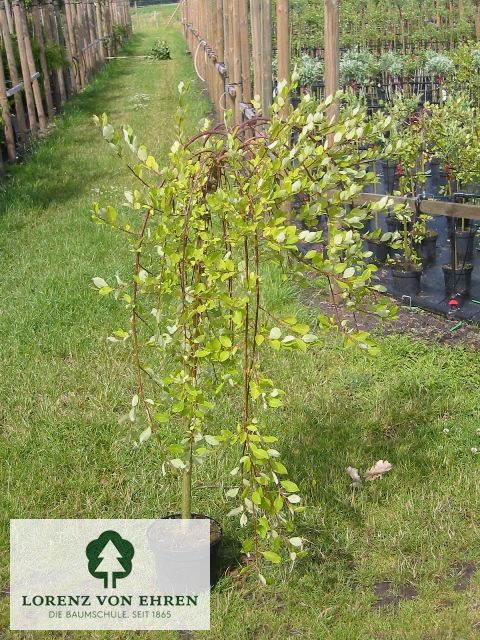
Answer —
110 558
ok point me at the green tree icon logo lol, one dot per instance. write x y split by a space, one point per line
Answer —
110 558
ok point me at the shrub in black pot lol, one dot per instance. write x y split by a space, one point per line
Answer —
377 242
457 281
379 250
407 268
432 184
407 278
393 223
425 239
464 241
389 175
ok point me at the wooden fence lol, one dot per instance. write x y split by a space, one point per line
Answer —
48 52
231 46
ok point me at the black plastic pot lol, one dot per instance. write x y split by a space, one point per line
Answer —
393 223
389 173
427 248
185 560
295 100
366 227
464 244
406 282
432 183
379 251
457 281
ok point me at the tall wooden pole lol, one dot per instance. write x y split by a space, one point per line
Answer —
267 81
37 94
256 19
27 83
283 43
245 50
237 61
7 120
332 55
37 25
57 22
12 69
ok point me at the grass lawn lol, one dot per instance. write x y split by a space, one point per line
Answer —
396 559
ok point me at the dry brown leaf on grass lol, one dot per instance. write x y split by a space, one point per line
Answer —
379 468
355 476
374 473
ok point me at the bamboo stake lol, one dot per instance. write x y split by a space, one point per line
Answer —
12 69
72 53
267 83
255 13
8 11
78 31
59 38
237 61
332 57
245 51
101 52
37 25
6 117
283 45
27 83
42 119
228 53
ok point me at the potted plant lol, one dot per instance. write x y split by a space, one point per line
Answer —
200 230
425 239
407 268
457 275
378 241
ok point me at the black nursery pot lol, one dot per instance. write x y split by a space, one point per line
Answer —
457 281
185 560
406 282
393 223
427 248
379 251
389 170
464 244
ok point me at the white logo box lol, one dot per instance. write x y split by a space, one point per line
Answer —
138 575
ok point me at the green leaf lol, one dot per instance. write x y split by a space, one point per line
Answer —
271 556
296 542
99 283
145 435
289 486
275 333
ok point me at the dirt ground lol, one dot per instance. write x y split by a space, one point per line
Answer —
414 322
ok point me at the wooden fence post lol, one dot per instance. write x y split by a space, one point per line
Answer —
283 45
12 70
101 53
72 47
332 55
27 83
267 82
54 16
31 66
37 31
5 116
245 51
255 15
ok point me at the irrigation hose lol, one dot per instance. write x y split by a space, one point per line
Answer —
195 62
